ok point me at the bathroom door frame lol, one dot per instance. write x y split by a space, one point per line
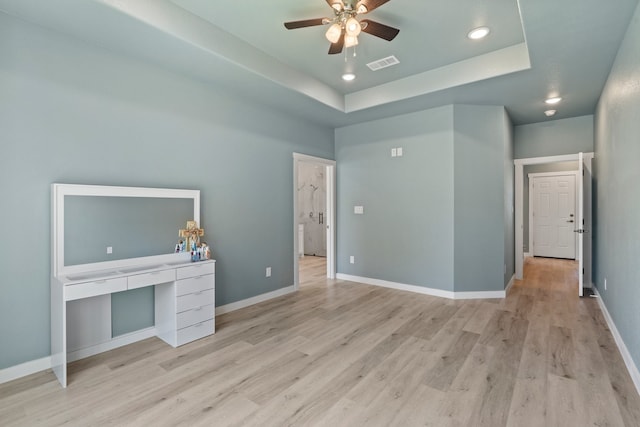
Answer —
330 174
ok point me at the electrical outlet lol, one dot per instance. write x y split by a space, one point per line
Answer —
109 249
352 259
605 283
268 272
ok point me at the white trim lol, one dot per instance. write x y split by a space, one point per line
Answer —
58 193
227 308
22 370
116 342
421 289
532 177
35 366
528 254
519 183
330 170
510 284
624 351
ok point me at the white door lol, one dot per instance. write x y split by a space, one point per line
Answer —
583 225
554 203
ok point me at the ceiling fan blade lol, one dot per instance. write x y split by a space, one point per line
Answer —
305 23
369 4
337 46
337 4
379 30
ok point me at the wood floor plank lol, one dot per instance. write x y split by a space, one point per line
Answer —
343 353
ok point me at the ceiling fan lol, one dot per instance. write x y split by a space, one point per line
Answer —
345 27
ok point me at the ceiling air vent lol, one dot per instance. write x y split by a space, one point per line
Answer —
383 63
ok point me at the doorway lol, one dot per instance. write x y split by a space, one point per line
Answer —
583 214
314 214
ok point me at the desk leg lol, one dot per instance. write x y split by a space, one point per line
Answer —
58 332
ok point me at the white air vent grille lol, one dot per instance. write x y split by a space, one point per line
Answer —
383 63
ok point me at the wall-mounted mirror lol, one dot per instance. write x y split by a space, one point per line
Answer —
102 227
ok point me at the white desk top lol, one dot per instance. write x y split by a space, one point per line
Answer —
97 275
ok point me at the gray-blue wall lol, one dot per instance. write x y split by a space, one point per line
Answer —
617 175
406 232
75 113
437 216
554 138
480 144
509 200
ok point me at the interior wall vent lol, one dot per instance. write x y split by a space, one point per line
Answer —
383 63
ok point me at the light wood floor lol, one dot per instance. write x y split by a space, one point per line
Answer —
347 354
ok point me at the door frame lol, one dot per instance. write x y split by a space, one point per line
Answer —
330 174
519 203
534 175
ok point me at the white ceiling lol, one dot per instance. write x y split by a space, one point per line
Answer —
536 48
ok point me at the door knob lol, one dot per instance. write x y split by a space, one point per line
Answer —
570 220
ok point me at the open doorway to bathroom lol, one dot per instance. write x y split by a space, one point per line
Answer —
314 218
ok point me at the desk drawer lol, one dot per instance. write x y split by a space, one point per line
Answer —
153 278
92 289
195 315
194 300
194 284
197 331
195 269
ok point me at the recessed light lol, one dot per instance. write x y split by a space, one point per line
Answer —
553 100
550 113
347 77
478 33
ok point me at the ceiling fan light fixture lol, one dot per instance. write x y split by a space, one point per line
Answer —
333 33
362 9
550 113
337 6
347 77
352 27
350 41
478 33
553 100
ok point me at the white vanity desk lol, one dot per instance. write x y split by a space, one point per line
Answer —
81 295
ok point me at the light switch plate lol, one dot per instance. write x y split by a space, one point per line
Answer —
394 152
359 210
268 272
109 249
399 151
352 259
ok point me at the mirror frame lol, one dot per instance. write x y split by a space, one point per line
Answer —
58 193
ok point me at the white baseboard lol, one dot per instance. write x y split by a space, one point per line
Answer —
528 254
116 342
422 289
510 284
22 370
227 308
34 366
624 351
